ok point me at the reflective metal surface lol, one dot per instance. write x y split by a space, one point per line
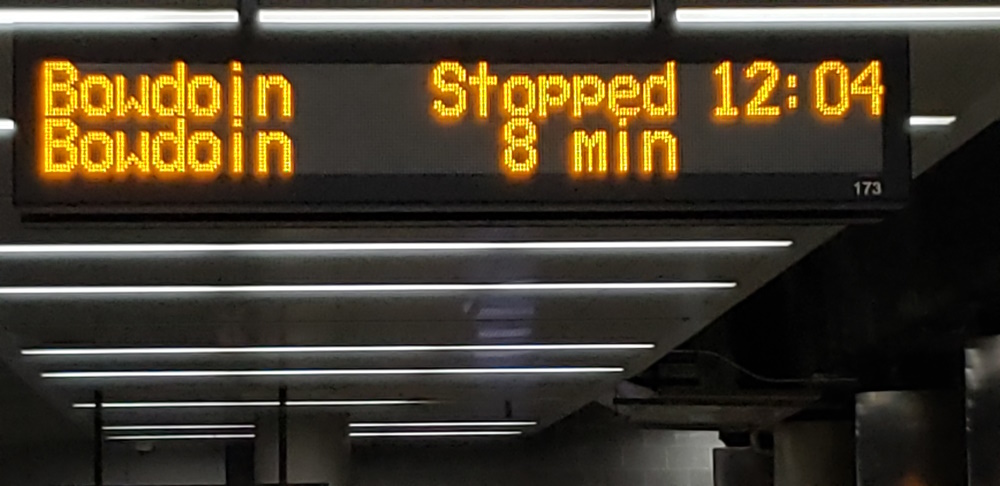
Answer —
908 438
982 389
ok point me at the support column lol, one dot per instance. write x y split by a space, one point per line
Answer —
283 437
98 439
318 448
742 466
817 453
240 464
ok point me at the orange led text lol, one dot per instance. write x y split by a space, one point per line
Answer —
168 124
524 102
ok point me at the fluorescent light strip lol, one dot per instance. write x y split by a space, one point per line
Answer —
116 16
403 425
125 428
119 248
353 403
6 124
181 437
932 121
461 16
456 433
358 288
837 15
328 372
332 349
274 403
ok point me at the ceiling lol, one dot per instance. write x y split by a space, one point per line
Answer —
953 73
665 318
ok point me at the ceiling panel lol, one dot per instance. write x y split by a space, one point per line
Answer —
664 318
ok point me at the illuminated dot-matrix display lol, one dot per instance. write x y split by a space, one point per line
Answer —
162 125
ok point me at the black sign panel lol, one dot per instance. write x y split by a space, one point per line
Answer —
684 129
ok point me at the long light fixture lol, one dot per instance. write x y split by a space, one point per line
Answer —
353 403
116 16
359 288
562 370
400 247
7 126
838 15
254 404
456 16
454 433
932 121
182 437
129 428
433 425
333 349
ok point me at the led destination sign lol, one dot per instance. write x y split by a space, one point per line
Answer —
453 135
159 126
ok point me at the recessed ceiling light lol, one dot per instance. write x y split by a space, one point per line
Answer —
455 433
259 403
455 16
335 349
181 437
124 428
116 16
432 425
401 247
360 288
932 121
329 372
838 15
7 126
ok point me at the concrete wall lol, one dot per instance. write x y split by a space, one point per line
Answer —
177 463
599 452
